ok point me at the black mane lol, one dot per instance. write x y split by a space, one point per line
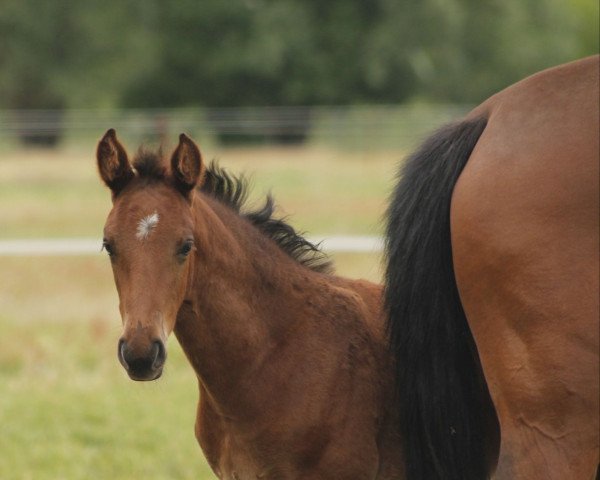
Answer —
233 191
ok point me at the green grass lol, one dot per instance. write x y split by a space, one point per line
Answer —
61 420
67 408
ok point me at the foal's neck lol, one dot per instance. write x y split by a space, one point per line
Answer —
246 298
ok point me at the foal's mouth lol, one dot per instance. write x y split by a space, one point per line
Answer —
151 376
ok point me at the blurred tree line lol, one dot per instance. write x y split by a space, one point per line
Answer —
155 53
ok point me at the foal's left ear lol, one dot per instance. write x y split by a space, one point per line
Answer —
187 166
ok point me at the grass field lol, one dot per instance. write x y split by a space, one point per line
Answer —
67 409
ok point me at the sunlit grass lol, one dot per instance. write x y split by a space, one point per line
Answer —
68 411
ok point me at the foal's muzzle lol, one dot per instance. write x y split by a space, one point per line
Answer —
142 365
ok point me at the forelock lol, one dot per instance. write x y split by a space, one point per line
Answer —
150 164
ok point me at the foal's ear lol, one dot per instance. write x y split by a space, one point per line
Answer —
187 166
113 164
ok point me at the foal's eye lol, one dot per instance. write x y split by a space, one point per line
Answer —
108 247
186 248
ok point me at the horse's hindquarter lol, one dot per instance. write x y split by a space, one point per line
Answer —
525 246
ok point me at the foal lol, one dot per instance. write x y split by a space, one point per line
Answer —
292 362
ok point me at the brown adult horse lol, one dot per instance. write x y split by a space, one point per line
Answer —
295 372
512 239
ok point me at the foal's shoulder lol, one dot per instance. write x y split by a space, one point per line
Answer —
371 293
364 300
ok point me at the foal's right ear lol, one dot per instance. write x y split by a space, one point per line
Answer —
113 164
187 166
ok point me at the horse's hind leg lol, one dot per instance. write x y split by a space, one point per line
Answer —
538 346
529 291
527 455
525 249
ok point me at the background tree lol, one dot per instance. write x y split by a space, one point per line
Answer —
64 54
153 53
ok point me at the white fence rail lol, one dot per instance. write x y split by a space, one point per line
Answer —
92 246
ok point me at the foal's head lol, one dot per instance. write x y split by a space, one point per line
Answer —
149 236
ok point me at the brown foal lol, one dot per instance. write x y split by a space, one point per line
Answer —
292 365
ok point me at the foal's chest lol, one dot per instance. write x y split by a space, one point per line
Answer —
236 461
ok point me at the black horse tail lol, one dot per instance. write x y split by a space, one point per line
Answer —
442 395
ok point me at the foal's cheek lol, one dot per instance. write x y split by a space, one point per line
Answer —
120 284
185 278
180 289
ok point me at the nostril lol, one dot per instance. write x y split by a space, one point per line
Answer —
159 353
121 353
